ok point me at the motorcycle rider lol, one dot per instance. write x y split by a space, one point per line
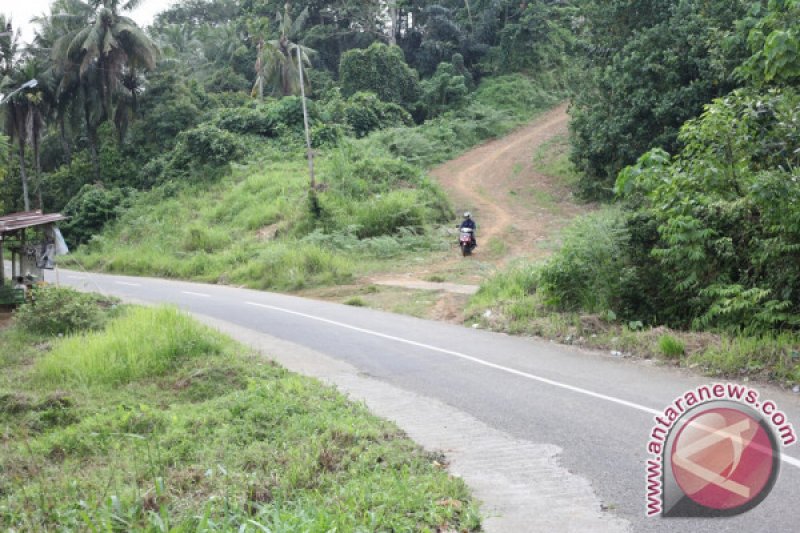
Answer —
469 223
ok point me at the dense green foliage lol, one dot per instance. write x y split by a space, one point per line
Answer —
382 70
717 228
647 67
706 238
158 423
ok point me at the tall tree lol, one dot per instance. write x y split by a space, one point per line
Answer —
649 66
109 49
16 107
276 66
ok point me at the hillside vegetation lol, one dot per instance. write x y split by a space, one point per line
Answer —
148 421
704 238
257 225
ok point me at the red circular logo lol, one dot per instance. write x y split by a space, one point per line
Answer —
723 458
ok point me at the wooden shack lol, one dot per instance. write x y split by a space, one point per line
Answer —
32 238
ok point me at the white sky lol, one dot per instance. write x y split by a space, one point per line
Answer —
22 11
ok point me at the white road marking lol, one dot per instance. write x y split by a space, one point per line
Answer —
785 458
197 294
128 284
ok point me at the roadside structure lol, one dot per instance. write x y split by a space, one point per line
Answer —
33 239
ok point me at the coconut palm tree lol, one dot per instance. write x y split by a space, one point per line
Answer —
61 81
101 56
16 106
276 64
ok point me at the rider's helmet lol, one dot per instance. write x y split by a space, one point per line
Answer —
467 214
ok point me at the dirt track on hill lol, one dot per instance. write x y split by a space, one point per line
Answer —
518 209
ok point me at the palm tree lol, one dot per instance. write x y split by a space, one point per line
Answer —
101 56
62 81
276 66
15 107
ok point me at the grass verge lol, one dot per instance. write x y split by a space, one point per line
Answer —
156 423
514 301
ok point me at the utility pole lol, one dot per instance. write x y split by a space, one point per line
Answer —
310 152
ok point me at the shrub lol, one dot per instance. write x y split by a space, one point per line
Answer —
257 121
365 112
444 90
382 70
61 310
585 272
92 208
209 144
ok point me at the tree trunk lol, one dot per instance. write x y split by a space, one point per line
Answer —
393 28
23 174
38 162
91 134
65 145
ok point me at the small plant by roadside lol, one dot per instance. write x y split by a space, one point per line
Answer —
55 310
356 301
670 347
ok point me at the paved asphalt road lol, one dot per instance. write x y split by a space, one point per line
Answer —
598 408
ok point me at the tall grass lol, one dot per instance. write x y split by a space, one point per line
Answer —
498 106
143 342
186 440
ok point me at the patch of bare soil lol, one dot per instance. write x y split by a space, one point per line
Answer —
5 319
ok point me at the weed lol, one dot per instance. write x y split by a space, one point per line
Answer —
670 347
355 301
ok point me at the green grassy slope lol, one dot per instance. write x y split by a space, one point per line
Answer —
255 227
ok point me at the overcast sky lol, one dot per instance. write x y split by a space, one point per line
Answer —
22 11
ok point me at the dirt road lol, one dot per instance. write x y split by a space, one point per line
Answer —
519 194
518 208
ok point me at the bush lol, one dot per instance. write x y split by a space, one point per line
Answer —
365 112
716 229
92 208
585 272
209 144
446 89
60 310
259 121
382 70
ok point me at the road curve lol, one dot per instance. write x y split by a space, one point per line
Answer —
596 410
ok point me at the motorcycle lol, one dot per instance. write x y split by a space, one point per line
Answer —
467 241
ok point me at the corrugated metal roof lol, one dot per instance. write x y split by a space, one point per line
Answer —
27 219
